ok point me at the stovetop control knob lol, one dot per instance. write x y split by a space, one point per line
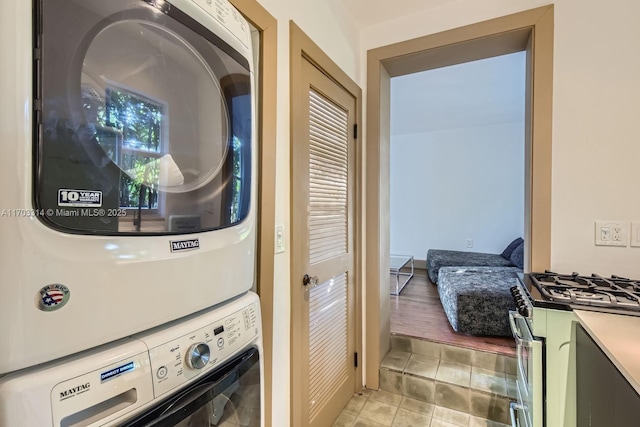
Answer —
198 356
525 311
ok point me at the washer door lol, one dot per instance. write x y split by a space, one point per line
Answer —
145 123
228 396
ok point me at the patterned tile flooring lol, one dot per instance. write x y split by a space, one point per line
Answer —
429 384
382 408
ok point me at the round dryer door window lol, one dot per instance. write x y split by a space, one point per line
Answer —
146 119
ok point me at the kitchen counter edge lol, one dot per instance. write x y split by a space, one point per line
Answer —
618 336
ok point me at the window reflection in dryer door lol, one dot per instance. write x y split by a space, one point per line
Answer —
143 121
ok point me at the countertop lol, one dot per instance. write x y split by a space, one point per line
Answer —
619 338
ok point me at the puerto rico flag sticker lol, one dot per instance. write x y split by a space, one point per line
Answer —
53 297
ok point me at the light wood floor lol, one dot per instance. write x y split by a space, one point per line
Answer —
417 312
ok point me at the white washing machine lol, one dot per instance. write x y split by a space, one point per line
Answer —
127 159
202 371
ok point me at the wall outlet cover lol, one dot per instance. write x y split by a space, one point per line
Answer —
612 233
635 234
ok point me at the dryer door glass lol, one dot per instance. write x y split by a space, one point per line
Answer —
145 120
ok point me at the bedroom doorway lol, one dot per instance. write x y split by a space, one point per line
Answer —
457 133
530 31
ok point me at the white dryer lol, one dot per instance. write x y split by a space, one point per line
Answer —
205 370
128 169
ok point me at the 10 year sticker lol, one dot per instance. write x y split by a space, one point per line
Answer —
79 198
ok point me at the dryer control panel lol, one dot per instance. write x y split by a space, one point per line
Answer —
181 359
228 16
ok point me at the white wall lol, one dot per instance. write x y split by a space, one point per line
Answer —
452 185
327 24
457 157
596 90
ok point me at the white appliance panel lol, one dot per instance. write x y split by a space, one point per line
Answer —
114 383
73 389
224 338
119 285
227 16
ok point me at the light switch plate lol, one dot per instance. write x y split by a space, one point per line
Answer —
279 239
635 234
612 233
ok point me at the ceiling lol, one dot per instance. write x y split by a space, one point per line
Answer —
372 12
478 93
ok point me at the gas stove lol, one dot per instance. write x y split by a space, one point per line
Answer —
544 331
573 291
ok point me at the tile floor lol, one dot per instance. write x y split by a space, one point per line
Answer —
382 408
472 382
466 356
430 384
444 371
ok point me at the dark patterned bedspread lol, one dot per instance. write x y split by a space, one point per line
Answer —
438 258
477 300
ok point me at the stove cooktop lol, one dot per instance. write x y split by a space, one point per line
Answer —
569 291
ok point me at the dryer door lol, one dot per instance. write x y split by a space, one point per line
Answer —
144 121
228 396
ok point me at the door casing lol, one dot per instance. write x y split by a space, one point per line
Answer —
530 31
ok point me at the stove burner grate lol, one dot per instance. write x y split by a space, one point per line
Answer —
614 292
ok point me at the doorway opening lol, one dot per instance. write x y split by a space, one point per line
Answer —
530 31
456 184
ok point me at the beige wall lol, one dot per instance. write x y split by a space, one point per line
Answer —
595 117
327 24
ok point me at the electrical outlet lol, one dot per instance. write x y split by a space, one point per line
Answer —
635 234
611 233
616 233
469 243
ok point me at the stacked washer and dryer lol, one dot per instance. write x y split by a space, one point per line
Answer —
127 215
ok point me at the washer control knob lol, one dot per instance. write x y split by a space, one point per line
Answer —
198 356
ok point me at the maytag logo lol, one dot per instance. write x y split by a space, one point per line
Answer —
184 245
79 389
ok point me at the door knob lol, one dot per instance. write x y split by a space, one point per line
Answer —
309 280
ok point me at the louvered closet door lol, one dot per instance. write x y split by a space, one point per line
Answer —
323 231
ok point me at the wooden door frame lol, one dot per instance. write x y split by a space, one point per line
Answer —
265 218
303 48
530 31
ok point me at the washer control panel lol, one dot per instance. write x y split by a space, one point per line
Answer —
198 356
181 359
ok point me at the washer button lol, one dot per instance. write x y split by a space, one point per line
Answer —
162 372
220 342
